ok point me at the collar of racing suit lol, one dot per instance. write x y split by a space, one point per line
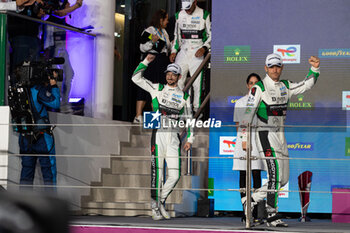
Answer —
194 12
169 88
270 82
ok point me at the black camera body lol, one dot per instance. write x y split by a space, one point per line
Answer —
24 77
48 6
38 72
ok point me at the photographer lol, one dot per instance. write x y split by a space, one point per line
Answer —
42 95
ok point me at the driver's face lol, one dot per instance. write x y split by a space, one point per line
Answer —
172 78
274 72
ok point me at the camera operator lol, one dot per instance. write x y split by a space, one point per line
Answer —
55 44
42 95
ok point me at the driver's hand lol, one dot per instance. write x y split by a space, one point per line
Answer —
172 57
150 57
79 3
187 146
244 146
53 82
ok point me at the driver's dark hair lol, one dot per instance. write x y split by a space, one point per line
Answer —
253 75
158 15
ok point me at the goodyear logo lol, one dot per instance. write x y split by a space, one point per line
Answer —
231 100
334 53
300 146
237 54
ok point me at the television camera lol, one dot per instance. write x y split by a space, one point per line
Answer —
37 72
25 76
48 6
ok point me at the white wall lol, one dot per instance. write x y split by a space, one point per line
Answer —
100 14
76 140
4 142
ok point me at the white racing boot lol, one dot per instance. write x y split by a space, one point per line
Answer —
252 204
156 215
163 212
274 220
138 120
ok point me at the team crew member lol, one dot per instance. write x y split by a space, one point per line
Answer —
238 163
154 40
192 40
268 100
172 104
41 98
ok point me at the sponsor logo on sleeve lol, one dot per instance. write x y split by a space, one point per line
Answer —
253 91
268 153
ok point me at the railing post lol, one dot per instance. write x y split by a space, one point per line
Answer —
189 162
3 26
248 178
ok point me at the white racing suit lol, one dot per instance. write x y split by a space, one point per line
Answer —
192 32
173 104
268 100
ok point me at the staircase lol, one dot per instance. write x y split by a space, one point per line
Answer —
124 188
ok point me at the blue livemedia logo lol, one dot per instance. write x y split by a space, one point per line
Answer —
151 120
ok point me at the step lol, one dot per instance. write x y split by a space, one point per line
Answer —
119 205
119 212
135 151
128 195
141 167
138 130
145 141
136 181
144 153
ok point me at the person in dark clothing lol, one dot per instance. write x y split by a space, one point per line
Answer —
41 97
55 43
23 35
154 40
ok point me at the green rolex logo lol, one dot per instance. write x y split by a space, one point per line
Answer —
301 104
347 146
237 54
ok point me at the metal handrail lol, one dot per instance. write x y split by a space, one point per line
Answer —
206 100
47 22
248 179
198 71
